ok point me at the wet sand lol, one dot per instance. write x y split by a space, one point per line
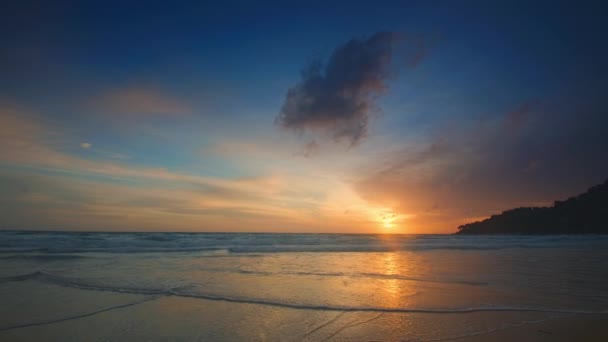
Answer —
576 328
92 316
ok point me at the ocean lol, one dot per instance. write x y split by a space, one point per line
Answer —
61 286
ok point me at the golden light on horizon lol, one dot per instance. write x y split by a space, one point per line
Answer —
391 222
387 220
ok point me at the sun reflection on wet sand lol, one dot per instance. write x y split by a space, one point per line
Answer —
392 288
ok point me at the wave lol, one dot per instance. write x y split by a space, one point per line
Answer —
52 278
44 277
43 257
181 292
5 250
18 242
113 250
352 275
237 250
371 248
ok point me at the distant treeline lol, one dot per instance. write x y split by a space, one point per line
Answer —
584 214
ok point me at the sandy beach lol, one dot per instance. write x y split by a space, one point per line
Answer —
181 319
308 287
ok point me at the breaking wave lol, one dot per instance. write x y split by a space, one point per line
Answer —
229 244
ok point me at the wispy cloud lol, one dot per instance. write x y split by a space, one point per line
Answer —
46 186
138 100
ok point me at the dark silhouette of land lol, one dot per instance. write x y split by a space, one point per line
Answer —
586 213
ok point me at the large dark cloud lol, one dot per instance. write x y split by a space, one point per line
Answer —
336 99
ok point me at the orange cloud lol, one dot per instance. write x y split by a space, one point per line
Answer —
157 198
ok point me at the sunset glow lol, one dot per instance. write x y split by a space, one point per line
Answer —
315 171
211 126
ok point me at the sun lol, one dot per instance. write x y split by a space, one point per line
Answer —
387 220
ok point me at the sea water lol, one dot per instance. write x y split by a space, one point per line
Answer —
291 287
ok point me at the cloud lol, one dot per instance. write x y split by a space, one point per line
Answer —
518 118
85 145
45 186
119 156
116 191
54 202
337 99
136 100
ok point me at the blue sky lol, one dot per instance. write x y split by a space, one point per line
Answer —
178 116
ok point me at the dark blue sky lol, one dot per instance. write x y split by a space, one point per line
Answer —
434 113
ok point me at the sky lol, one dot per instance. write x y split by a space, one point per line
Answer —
341 117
